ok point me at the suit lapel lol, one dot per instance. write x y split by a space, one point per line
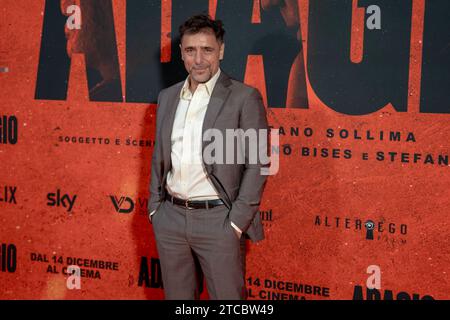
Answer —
219 95
167 125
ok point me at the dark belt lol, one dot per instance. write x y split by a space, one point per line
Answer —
194 204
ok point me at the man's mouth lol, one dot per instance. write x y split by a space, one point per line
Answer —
200 69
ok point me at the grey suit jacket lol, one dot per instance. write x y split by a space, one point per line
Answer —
232 105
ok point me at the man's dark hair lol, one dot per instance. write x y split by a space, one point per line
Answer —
198 23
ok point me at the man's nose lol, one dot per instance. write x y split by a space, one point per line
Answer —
198 57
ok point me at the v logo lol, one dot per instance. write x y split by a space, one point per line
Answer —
118 204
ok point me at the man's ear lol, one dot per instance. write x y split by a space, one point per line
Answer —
222 50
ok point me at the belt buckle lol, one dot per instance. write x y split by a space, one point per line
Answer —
186 205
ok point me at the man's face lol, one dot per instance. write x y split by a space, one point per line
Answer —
201 53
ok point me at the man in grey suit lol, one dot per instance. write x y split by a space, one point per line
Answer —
200 209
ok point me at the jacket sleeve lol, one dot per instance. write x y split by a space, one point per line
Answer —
157 164
246 205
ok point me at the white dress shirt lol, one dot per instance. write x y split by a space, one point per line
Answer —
187 178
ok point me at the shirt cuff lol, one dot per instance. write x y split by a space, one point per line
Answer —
236 227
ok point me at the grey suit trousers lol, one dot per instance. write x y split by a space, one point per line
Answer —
184 235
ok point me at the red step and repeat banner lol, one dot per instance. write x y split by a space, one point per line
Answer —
359 91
